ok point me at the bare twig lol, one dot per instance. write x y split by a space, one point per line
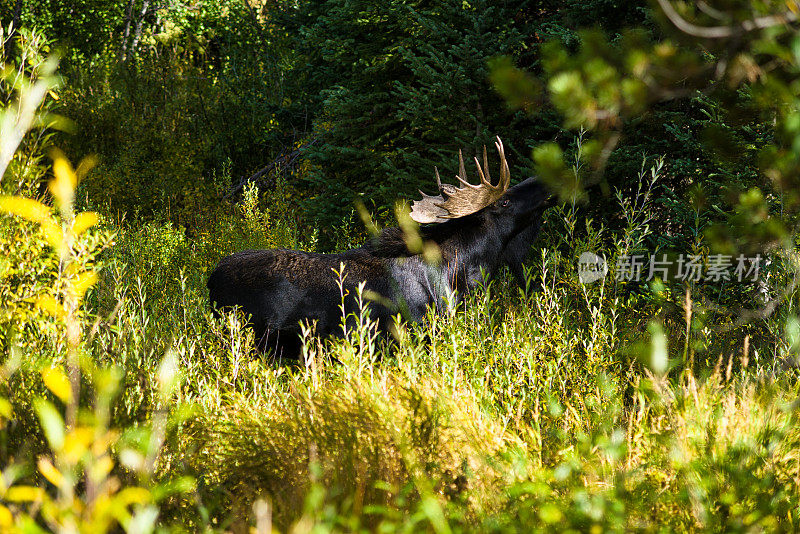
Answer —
605 153
266 175
723 32
253 13
9 42
712 12
17 119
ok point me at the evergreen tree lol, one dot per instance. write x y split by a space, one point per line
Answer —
395 88
449 102
353 61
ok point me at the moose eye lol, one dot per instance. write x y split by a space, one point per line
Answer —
505 203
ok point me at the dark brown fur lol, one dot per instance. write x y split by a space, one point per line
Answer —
280 288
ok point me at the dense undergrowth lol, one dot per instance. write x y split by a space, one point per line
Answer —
607 407
564 408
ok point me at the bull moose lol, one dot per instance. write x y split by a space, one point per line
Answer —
474 228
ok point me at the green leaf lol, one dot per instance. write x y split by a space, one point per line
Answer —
659 356
27 525
520 89
550 514
52 423
179 485
433 511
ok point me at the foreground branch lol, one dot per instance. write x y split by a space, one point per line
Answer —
723 32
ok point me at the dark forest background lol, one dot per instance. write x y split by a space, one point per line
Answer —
339 101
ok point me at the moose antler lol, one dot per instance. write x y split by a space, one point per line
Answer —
453 202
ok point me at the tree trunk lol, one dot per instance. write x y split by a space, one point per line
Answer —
138 32
17 13
9 42
127 33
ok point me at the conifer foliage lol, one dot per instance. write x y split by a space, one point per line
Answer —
397 87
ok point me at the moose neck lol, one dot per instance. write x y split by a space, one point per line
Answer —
471 249
468 245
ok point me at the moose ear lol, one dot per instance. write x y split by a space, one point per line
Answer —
428 210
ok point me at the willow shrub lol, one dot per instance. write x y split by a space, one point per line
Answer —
69 468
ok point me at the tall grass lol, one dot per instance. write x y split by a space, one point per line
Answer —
564 408
512 412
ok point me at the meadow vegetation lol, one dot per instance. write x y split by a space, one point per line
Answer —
614 406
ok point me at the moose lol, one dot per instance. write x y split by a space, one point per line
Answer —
475 228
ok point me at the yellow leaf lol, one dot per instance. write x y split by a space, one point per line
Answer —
793 7
102 443
83 283
26 208
49 471
76 443
101 468
83 222
5 408
102 513
87 164
57 382
6 519
50 305
52 232
24 494
133 495
65 181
